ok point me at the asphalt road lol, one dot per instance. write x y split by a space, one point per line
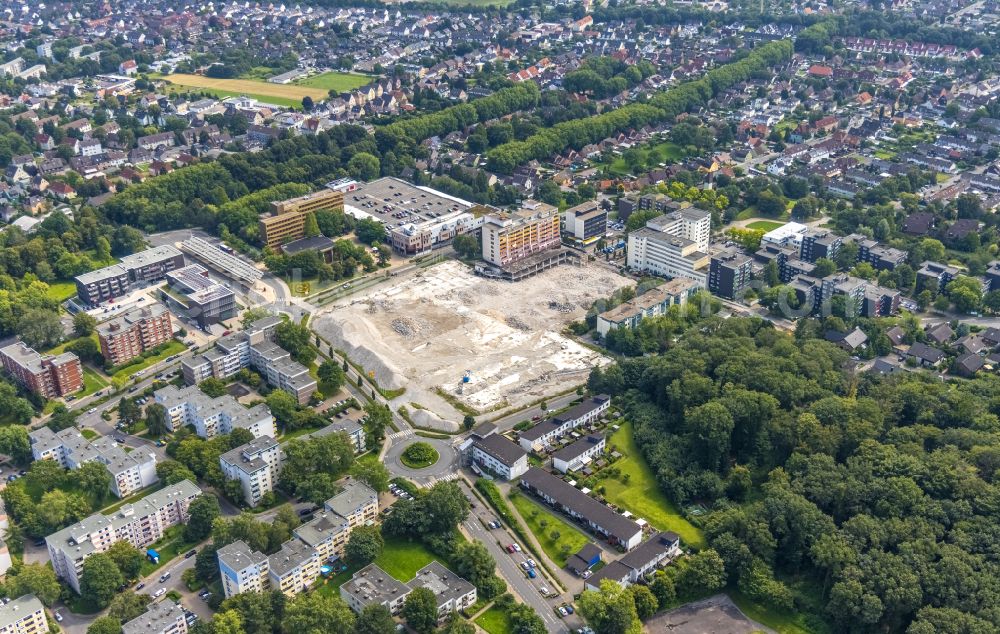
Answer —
447 458
508 566
558 402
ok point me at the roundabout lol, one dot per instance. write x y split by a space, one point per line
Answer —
419 455
445 458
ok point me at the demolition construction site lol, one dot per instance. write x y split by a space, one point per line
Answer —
457 343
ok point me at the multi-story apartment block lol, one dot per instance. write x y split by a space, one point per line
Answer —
254 347
497 455
819 243
586 222
544 432
935 276
135 332
729 273
45 375
509 237
353 430
130 471
139 524
117 280
452 592
654 302
294 568
357 503
242 569
673 245
373 586
23 615
297 565
882 258
211 416
162 617
288 218
255 465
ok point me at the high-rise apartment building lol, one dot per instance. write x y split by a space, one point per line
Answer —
509 237
255 466
46 375
129 335
288 219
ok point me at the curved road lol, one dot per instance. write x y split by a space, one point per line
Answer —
446 465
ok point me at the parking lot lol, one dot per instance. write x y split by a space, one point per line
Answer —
394 203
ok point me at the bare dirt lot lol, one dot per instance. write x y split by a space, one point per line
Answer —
713 615
426 332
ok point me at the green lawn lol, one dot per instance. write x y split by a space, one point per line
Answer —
61 291
341 82
570 540
650 157
172 545
765 225
641 496
172 347
781 622
494 621
92 381
89 434
111 508
402 558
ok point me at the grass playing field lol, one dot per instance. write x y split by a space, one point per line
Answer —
765 225
278 94
340 82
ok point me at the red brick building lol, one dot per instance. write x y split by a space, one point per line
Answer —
133 333
44 375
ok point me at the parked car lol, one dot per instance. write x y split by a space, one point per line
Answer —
531 573
510 548
569 608
517 548
91 410
159 593
58 615
164 577
562 611
191 553
531 563
140 586
525 565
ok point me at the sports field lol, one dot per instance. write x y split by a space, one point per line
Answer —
278 94
340 82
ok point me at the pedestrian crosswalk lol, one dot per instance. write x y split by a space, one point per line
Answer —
401 435
435 479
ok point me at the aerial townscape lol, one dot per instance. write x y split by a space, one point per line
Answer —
500 317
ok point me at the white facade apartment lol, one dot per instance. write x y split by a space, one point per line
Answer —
294 568
666 255
139 524
689 223
242 569
500 456
211 416
163 617
255 465
547 430
23 615
130 472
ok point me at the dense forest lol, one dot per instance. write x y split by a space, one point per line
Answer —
869 503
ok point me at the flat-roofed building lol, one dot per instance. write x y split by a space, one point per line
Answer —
134 332
118 280
288 219
23 615
162 617
254 347
223 261
255 466
659 253
729 273
294 568
373 586
544 432
586 222
45 375
618 529
242 569
498 456
140 524
130 471
512 236
357 503
578 453
452 593
203 298
212 416
654 302
327 534
347 426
